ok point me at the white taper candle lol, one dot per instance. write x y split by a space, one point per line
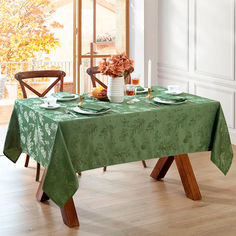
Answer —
76 85
149 73
81 87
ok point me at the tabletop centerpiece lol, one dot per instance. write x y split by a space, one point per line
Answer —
116 68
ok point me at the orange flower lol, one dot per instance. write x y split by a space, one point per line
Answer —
116 65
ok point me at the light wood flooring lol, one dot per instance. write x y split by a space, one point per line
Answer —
3 131
5 114
124 201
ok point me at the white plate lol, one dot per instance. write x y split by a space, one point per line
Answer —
51 107
144 91
156 99
174 93
80 111
67 99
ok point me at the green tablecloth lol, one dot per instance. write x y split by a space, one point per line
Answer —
66 145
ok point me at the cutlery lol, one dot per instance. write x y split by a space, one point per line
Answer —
114 111
71 113
149 102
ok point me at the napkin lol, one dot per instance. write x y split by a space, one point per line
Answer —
64 95
172 99
140 88
93 107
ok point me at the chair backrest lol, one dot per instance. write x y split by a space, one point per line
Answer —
40 74
94 70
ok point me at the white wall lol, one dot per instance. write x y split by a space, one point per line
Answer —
143 36
196 49
137 35
151 36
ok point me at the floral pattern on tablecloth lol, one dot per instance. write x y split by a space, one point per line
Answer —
65 144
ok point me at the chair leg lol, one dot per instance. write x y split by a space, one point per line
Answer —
144 164
37 172
38 167
27 160
104 168
41 195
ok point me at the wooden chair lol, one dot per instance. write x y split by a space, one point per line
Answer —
92 72
21 76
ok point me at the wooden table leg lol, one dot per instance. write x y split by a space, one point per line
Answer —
41 195
185 171
187 177
69 214
161 168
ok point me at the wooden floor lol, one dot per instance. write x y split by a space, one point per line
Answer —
124 201
3 131
5 114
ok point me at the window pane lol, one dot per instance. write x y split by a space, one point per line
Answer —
87 25
110 26
35 35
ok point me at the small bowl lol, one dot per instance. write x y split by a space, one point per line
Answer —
101 98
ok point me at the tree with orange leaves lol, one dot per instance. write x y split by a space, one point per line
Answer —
26 29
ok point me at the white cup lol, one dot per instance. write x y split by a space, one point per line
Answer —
50 101
173 88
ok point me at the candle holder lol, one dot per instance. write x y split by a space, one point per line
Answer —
81 100
149 96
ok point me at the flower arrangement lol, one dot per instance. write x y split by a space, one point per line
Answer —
116 65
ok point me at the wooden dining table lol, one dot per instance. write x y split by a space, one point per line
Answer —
67 143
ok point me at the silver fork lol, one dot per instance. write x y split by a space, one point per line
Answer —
71 113
149 102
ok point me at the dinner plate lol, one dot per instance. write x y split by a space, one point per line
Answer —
174 93
45 106
158 100
143 91
67 99
81 111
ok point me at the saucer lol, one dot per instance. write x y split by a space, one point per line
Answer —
67 99
145 90
159 100
45 106
177 92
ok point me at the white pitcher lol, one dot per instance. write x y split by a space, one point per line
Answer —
115 89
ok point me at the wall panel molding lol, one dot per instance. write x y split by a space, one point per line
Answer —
173 19
168 80
210 71
224 95
196 77
214 52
